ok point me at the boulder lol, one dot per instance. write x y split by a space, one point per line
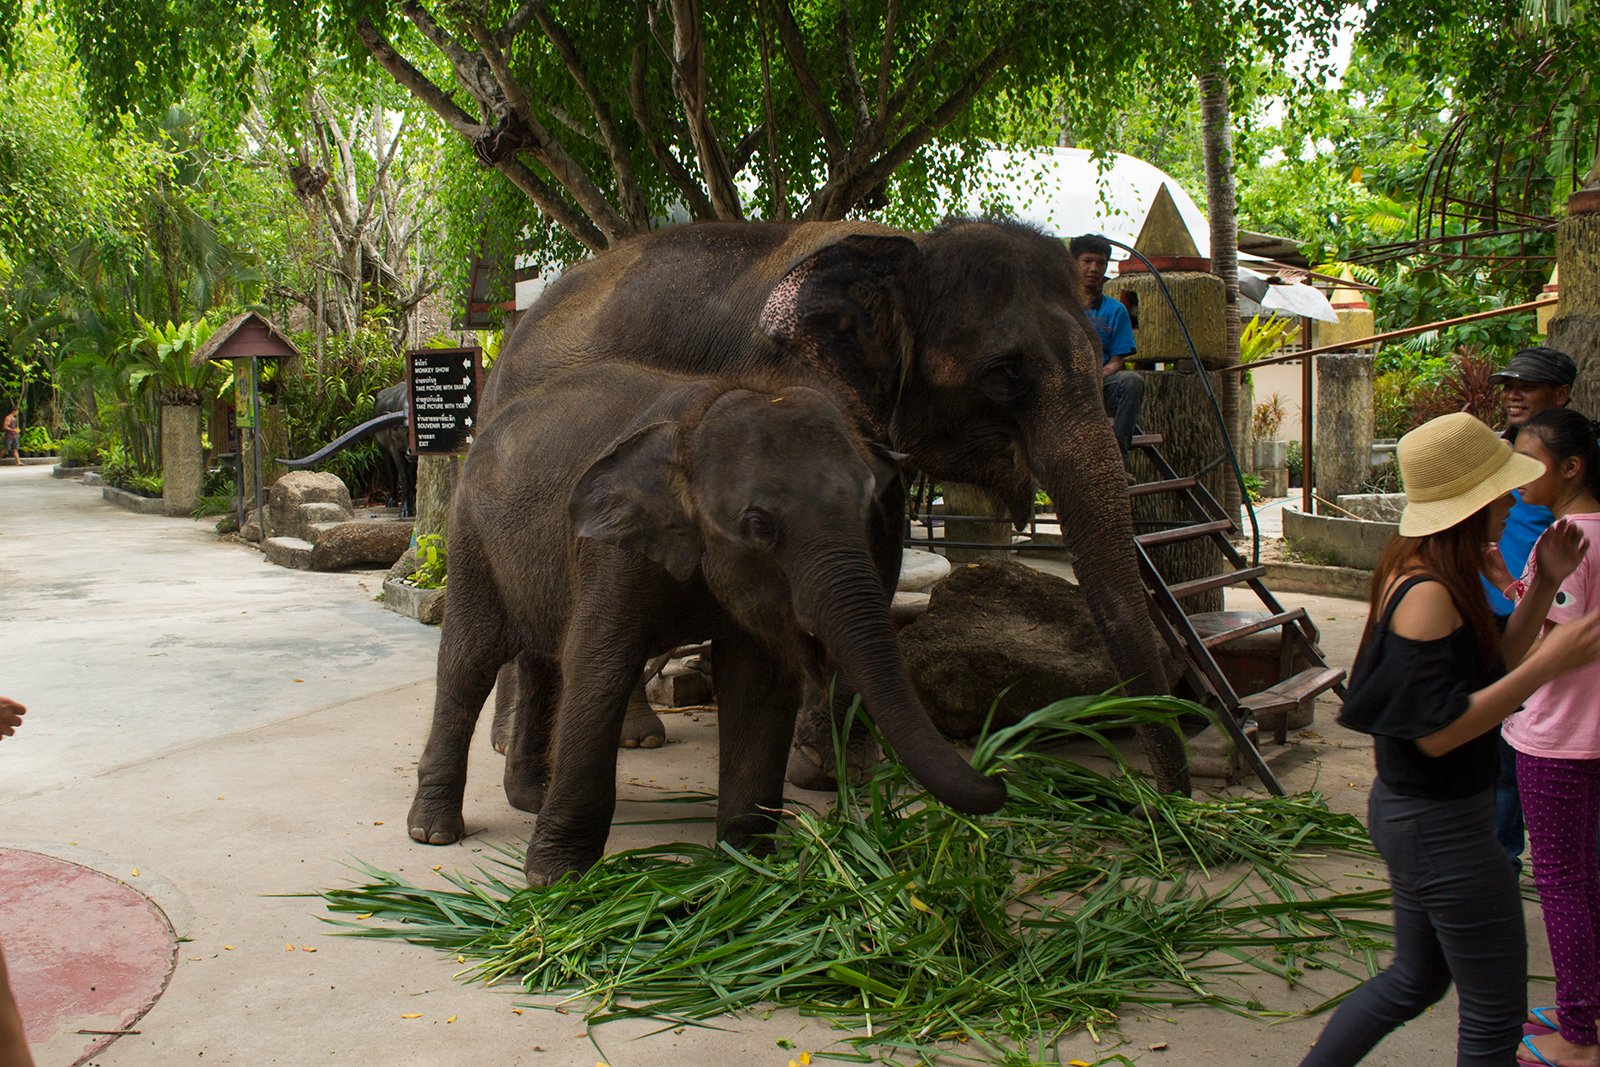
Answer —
996 624
287 504
288 552
357 544
919 570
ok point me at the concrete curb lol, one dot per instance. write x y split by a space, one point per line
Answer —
1321 581
142 505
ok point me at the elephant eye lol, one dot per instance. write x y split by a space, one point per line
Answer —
758 528
1006 379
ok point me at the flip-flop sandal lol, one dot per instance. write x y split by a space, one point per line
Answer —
1538 1057
1539 1018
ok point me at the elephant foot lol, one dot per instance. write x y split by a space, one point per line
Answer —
436 819
500 733
815 766
641 727
547 865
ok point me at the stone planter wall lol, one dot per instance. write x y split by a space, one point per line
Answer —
1342 541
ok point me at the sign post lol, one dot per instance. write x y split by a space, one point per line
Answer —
442 398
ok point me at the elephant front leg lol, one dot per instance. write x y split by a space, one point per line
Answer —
599 668
471 649
814 757
756 702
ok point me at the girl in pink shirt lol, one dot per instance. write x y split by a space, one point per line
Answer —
1556 736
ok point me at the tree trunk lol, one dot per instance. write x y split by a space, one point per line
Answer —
436 483
1576 328
1222 213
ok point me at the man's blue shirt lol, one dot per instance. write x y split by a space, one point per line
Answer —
1523 526
1111 322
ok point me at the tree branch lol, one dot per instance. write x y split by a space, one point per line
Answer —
842 193
779 180
694 193
417 83
794 47
520 20
689 84
473 71
852 76
555 208
885 55
633 199
546 149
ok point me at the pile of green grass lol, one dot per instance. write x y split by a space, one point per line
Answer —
915 927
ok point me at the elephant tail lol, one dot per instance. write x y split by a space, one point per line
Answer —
345 440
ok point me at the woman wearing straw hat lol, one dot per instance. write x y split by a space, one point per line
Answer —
1431 684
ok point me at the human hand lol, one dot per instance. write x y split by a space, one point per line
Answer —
1560 550
10 716
1571 644
1495 569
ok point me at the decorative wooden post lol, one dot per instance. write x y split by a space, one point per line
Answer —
247 339
1175 403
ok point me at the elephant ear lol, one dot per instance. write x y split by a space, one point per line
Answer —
630 498
888 467
827 301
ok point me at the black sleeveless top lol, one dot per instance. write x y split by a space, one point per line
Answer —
1402 689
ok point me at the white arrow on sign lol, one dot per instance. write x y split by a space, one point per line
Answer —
467 363
468 401
469 438
469 420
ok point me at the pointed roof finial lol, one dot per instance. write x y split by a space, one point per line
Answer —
1165 239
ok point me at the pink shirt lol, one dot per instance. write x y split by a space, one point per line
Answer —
1562 719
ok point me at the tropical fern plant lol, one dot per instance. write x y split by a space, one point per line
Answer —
161 359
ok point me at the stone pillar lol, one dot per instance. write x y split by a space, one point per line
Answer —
1175 406
1342 446
1576 328
182 460
969 500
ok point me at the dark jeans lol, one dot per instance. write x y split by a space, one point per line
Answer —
1457 917
1124 395
1508 828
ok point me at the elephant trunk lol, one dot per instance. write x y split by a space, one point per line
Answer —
1077 461
839 597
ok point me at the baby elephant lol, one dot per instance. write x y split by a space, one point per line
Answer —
617 513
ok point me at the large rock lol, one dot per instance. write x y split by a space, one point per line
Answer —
292 504
996 624
358 544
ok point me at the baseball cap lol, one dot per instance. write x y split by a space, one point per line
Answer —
1538 365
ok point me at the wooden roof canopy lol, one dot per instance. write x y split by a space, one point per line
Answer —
245 336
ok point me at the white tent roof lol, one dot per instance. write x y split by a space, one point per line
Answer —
1065 191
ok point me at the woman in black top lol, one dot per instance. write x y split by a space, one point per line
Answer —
1431 685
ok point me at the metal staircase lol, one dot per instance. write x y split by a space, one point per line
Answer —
1195 650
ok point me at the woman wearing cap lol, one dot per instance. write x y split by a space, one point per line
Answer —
1431 685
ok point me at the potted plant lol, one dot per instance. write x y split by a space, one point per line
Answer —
1265 420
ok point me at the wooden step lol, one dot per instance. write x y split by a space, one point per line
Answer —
1180 534
1216 581
1151 488
1146 440
1267 622
1291 692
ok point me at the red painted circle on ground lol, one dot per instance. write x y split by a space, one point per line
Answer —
85 952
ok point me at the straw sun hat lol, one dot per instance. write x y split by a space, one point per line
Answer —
1452 466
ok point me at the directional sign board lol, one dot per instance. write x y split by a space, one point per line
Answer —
442 392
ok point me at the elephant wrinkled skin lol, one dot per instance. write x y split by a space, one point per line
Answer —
615 513
966 348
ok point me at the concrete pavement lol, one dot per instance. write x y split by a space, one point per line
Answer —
214 732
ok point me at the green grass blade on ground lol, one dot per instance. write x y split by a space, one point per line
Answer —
1088 893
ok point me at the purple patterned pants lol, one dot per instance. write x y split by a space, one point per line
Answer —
1561 804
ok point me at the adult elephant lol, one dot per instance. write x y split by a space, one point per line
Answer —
966 348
